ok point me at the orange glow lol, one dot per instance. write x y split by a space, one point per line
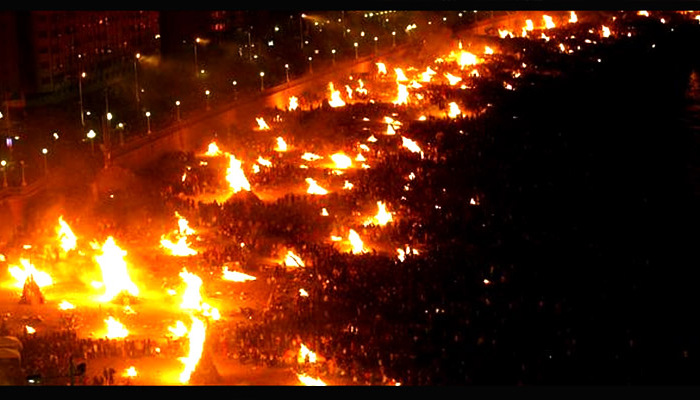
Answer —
197 335
213 150
309 381
382 218
381 68
488 50
115 329
335 100
235 176
314 188
29 329
236 276
262 125
452 79
293 260
281 145
572 17
304 352
504 33
402 96
179 330
41 278
411 145
427 75
264 162
293 103
65 306
548 22
606 31
529 25
454 110
130 372
341 161
356 242
400 77
310 157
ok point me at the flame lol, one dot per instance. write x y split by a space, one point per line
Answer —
348 90
184 176
314 188
371 139
262 125
235 176
197 334
183 225
179 249
191 299
65 235
548 22
130 372
336 238
303 293
114 274
545 37
381 68
361 88
179 330
305 352
341 161
356 242
504 33
65 305
643 13
348 185
427 75
572 17
293 260
281 145
293 103
335 100
21 275
236 276
360 157
400 77
404 252
561 47
309 381
454 110
529 25
382 218
213 150
466 58
311 157
411 145
402 96
453 79
324 212
29 329
606 31
488 50
115 329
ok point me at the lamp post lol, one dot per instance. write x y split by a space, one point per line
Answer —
207 93
45 152
177 109
136 80
21 164
196 64
311 69
262 82
3 163
148 120
393 39
108 128
355 44
120 126
286 71
376 39
235 90
301 30
333 52
80 92
91 135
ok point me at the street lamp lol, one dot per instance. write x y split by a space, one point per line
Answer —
311 69
375 44
120 126
91 135
393 38
207 93
196 65
286 71
3 163
355 44
136 79
80 92
235 91
177 109
301 29
333 52
21 164
45 152
148 120
262 83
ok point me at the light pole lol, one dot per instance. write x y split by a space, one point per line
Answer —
148 120
333 52
196 65
120 126
21 164
393 39
108 128
3 163
207 93
136 80
80 92
311 69
301 29
45 152
91 135
262 82
355 44
177 109
286 71
376 39
235 90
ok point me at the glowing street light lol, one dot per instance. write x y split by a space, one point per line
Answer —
177 109
355 44
3 163
196 65
207 93
235 91
286 71
333 52
148 120
91 135
21 164
262 82
311 69
45 152
393 39
136 79
80 92
376 39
